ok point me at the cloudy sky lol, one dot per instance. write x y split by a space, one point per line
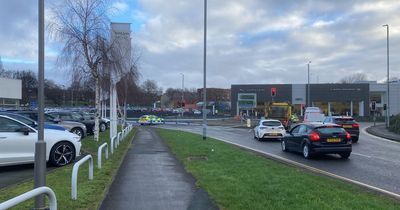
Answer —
249 41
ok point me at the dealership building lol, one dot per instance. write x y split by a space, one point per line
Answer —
10 92
334 99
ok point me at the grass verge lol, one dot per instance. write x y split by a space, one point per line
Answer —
90 193
240 179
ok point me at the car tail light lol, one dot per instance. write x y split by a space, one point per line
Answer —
348 136
314 136
355 125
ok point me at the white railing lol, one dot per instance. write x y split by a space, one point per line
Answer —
75 170
105 145
31 194
112 144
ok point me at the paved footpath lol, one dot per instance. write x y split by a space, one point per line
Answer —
151 177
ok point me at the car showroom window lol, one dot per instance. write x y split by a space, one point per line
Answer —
7 125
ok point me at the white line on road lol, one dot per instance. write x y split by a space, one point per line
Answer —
364 130
367 156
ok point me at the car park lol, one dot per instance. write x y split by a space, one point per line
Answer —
17 144
81 117
269 129
318 138
348 123
71 126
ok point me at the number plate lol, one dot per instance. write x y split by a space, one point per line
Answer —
347 126
334 140
273 134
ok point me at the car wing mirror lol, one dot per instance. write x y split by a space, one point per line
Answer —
24 130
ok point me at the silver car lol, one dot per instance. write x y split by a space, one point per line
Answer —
71 126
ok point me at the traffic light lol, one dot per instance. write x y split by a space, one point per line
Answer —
273 92
373 105
384 106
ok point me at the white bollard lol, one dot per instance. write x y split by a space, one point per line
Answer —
74 178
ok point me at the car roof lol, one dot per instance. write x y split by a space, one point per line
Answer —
273 120
318 124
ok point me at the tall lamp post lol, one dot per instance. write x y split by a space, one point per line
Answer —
308 84
40 145
183 90
204 69
387 80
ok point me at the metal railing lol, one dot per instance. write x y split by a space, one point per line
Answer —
75 170
112 144
31 194
105 145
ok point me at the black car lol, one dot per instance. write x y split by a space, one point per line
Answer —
318 138
348 123
82 118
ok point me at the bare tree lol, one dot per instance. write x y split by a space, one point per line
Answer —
352 78
84 27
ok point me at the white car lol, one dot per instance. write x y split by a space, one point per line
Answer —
17 144
269 129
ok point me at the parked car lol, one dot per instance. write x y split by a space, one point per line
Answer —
348 123
30 122
80 117
71 126
269 129
195 111
17 145
318 138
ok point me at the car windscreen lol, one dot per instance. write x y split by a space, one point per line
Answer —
330 130
271 123
344 121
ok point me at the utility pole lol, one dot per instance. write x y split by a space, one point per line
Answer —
204 69
183 92
308 84
40 145
387 81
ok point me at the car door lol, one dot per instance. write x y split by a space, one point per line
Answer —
298 137
291 137
15 147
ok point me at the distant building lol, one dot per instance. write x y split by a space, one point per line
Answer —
10 92
335 99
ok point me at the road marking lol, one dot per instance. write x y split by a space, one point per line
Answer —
354 153
315 170
364 130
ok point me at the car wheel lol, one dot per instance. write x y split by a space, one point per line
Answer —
63 153
306 151
103 127
345 155
77 131
355 139
283 146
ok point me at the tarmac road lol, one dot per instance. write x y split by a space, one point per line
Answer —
374 161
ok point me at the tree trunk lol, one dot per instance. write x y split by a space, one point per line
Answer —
97 105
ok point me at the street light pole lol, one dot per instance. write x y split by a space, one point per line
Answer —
308 84
183 91
387 81
40 145
204 69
